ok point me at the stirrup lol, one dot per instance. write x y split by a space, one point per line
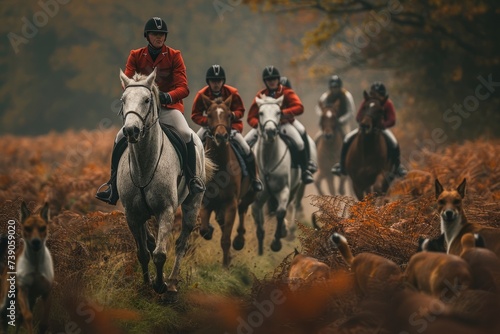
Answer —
337 170
307 177
107 196
312 166
257 185
196 185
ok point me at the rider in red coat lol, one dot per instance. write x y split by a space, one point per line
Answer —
216 87
290 126
172 83
378 91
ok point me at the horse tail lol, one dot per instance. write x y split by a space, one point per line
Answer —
210 169
340 242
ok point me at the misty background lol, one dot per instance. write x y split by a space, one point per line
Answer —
60 59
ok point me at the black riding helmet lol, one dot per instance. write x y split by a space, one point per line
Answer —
335 80
285 82
379 87
155 24
216 72
270 72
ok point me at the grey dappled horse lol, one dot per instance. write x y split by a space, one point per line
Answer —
151 182
281 181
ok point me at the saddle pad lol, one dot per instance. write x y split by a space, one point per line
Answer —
177 142
239 155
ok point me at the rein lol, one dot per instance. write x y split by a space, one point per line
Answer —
267 173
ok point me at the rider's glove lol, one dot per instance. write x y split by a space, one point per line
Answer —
165 98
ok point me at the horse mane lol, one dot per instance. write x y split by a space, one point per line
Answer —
138 77
218 100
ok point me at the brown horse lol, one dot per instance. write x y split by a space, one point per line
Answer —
329 144
367 161
228 191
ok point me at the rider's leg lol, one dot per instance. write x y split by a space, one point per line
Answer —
292 133
251 137
110 195
249 161
312 166
175 118
394 153
339 168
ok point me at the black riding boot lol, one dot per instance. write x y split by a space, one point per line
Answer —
252 172
110 195
339 168
311 165
195 183
304 164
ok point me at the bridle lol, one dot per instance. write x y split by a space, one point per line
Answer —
143 119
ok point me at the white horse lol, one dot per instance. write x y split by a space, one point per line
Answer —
151 182
281 181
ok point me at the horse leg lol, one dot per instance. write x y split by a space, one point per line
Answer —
280 217
206 229
330 181
189 214
239 240
298 208
165 224
139 232
258 217
317 183
227 230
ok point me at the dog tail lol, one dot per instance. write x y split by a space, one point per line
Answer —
340 242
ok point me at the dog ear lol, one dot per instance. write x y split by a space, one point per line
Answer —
461 188
295 252
25 212
44 213
439 188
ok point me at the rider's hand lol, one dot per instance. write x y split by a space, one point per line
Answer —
165 98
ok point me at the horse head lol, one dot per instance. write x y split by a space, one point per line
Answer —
219 118
372 114
269 116
329 119
139 105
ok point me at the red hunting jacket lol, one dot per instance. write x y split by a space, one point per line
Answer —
390 114
291 107
170 74
199 109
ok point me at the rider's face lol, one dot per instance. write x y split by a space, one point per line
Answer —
272 84
215 85
157 39
375 94
335 89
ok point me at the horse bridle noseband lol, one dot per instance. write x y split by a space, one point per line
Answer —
143 119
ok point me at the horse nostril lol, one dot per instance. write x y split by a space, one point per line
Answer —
226 136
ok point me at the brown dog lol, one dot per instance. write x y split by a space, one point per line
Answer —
35 271
306 269
371 271
484 264
441 275
454 222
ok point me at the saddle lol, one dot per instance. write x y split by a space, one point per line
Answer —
294 151
177 142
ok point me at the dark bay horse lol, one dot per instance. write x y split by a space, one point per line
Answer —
329 144
229 191
367 161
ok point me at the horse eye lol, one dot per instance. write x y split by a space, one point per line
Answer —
146 100
261 113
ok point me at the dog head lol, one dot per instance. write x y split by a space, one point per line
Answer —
450 202
34 228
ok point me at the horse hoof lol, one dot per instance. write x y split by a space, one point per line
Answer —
238 243
160 288
207 234
170 297
276 246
